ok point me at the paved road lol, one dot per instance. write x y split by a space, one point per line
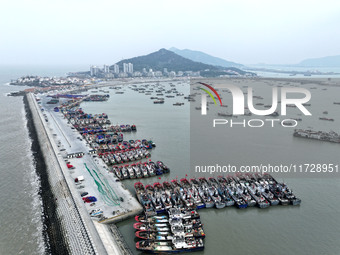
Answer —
112 196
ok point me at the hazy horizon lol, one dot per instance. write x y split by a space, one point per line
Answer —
83 32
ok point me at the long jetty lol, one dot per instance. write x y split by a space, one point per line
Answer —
70 230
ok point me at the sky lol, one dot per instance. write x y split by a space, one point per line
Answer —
67 32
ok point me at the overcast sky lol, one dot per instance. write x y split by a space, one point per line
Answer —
105 31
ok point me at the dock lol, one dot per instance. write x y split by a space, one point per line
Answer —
81 234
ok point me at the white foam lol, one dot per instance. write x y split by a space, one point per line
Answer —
34 180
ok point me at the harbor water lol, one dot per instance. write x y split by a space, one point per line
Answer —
311 228
307 229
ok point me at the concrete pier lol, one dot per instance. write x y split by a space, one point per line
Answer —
82 234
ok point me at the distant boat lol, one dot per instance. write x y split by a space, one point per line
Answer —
224 114
323 118
158 102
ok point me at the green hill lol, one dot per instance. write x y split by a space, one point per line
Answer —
163 58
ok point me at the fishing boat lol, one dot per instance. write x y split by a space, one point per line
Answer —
155 198
150 235
164 168
152 219
144 199
203 194
242 189
219 203
187 199
193 193
198 201
118 173
158 102
239 201
138 172
183 213
124 172
222 189
159 171
165 198
256 194
276 189
224 114
132 174
290 196
141 226
222 192
144 170
177 244
207 200
263 186
328 119
151 170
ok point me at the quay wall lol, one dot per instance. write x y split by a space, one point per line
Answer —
67 228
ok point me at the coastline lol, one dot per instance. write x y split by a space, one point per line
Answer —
62 217
101 237
53 239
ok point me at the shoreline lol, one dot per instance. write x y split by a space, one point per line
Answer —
53 240
63 219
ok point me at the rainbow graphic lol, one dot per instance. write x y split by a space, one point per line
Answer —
209 93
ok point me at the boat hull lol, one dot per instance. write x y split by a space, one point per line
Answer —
170 251
220 205
230 203
263 205
209 205
200 206
296 202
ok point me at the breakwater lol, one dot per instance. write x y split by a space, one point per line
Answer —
65 229
54 240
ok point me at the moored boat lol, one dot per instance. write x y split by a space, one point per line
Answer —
177 244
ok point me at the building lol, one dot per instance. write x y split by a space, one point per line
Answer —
125 68
94 71
158 74
137 74
172 74
116 69
122 75
106 69
130 68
